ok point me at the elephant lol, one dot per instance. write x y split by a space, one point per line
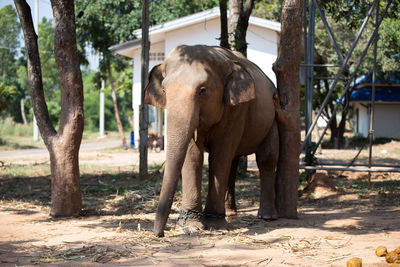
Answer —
219 102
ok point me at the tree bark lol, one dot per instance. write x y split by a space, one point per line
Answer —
224 24
144 111
22 106
238 24
116 111
286 69
63 146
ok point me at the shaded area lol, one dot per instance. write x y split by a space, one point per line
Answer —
122 204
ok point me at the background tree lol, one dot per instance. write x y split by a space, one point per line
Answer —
99 28
268 9
63 146
345 19
239 14
9 47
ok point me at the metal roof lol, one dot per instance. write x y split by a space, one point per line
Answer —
387 89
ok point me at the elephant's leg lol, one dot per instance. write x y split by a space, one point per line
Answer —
267 159
219 169
191 213
230 202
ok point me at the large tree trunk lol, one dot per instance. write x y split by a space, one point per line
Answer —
116 111
63 147
238 23
286 69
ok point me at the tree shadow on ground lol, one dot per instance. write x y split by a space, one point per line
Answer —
119 194
125 204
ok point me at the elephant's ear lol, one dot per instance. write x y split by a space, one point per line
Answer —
239 87
153 93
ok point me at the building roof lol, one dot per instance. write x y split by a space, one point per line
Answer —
190 20
387 89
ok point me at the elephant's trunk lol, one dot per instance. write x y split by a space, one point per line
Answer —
180 128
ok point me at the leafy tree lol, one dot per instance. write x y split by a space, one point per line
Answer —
99 27
388 47
9 45
345 18
7 93
268 9
9 40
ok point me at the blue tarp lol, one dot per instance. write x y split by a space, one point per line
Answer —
382 93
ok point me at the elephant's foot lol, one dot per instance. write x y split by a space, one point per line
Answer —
215 221
190 221
268 214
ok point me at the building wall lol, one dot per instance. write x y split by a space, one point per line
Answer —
361 120
262 48
156 49
386 120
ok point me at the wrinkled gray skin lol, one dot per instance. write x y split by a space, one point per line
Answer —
217 101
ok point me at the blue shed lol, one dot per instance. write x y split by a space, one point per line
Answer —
387 105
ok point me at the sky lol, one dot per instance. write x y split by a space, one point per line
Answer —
46 11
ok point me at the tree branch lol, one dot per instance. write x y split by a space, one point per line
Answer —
34 71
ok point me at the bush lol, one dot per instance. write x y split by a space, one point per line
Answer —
10 128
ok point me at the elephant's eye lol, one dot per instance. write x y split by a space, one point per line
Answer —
202 90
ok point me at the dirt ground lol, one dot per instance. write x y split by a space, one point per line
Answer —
338 217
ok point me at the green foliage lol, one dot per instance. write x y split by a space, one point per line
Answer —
9 40
388 47
165 10
91 87
9 46
7 93
268 9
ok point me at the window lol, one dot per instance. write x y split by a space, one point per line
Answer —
156 56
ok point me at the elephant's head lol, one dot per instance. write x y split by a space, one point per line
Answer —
196 84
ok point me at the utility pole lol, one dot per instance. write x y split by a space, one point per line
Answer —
36 25
144 113
101 126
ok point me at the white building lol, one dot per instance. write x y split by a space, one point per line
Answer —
200 28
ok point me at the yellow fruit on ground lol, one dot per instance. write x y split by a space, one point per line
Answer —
397 250
392 257
354 262
381 251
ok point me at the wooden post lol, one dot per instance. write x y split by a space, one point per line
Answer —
144 113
